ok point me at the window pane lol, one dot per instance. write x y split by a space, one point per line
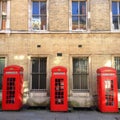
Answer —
43 23
118 75
115 22
39 20
74 8
76 82
35 81
114 8
0 16
2 65
74 23
3 17
82 7
43 81
119 22
42 7
43 73
83 23
4 6
35 8
84 81
35 63
36 23
39 66
76 65
43 65
119 7
80 73
79 15
117 67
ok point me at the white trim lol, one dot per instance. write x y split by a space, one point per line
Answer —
8 16
47 14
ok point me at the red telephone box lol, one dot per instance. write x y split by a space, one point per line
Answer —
12 88
107 89
58 89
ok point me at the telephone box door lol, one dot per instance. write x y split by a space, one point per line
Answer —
107 89
58 92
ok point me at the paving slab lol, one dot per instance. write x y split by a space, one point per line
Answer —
47 115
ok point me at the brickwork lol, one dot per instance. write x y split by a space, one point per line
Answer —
58 15
100 15
100 47
19 15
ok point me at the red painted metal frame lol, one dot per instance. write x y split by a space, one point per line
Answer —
107 88
12 88
58 89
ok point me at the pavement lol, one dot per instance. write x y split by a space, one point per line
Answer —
43 114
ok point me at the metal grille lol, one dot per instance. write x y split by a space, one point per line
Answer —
80 73
39 66
117 67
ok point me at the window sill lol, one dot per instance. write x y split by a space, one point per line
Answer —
38 31
80 93
115 31
79 30
22 31
58 32
5 31
39 93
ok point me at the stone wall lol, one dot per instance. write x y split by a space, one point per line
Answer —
20 44
100 48
60 15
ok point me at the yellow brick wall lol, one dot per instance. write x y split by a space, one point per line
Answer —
59 15
100 15
19 15
93 45
99 47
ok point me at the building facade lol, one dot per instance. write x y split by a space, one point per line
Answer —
81 35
